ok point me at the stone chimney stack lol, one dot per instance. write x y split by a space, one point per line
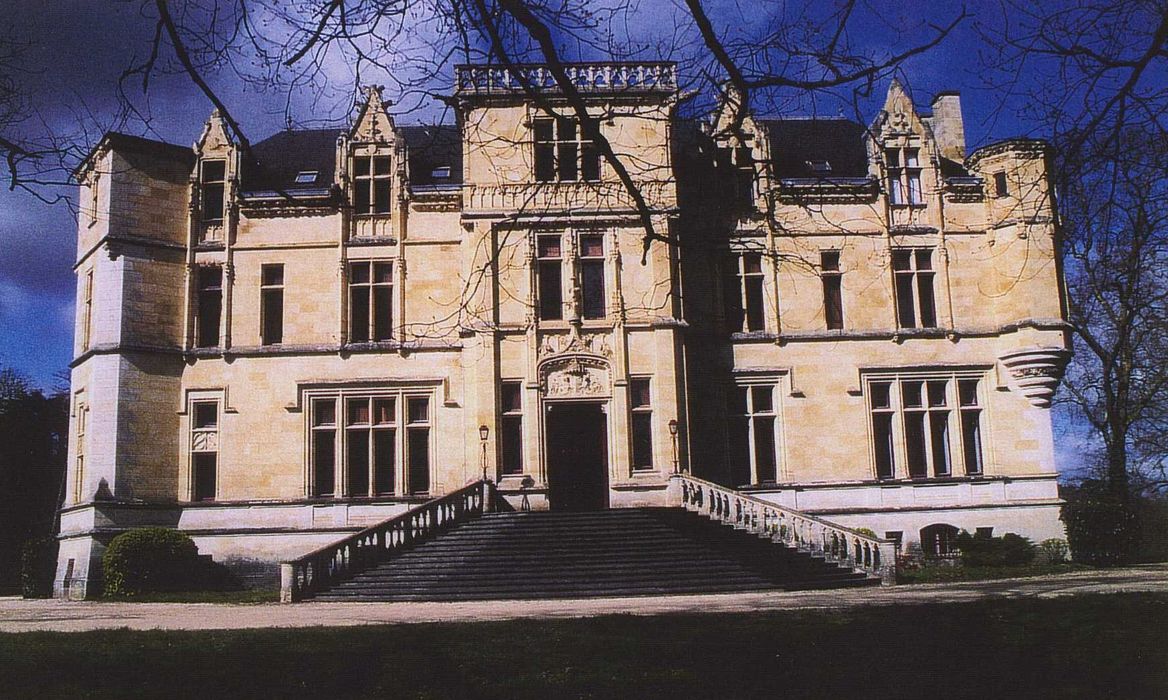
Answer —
948 127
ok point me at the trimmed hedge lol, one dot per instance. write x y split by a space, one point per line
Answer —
38 567
986 550
150 560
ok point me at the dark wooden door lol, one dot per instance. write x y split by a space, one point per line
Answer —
577 456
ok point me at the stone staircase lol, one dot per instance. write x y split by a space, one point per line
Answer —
620 552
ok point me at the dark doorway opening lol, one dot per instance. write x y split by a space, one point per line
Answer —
577 456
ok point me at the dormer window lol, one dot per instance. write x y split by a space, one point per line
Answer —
212 185
904 176
371 178
440 173
819 168
306 177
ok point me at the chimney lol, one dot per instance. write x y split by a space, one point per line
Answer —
948 128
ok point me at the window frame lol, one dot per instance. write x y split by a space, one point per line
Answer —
960 440
745 309
87 310
369 184
905 176
205 294
371 287
205 441
752 415
641 420
511 428
342 432
585 263
910 284
207 186
271 294
832 276
586 164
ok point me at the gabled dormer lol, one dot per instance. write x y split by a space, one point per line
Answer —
213 183
370 169
741 152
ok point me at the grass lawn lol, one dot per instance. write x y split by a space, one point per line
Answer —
1087 646
946 574
248 596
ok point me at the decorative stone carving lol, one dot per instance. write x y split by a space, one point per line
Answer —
573 342
205 441
1036 372
575 377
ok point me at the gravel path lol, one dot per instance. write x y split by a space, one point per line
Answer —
17 615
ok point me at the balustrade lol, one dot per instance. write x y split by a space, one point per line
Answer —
602 77
329 565
540 197
835 543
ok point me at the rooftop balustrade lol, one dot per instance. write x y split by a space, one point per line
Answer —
588 78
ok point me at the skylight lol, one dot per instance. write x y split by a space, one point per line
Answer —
306 177
819 167
441 173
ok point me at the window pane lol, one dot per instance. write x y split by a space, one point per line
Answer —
419 459
967 388
937 392
206 415
881 394
911 158
882 437
323 462
512 444
272 312
214 170
512 400
590 163
358 463
419 409
928 308
732 296
362 197
736 400
639 392
829 260
549 246
359 314
543 130
592 246
382 313
550 291
762 398
914 438
924 258
567 161
358 412
204 466
902 260
592 292
754 304
971 441
1001 186
752 262
833 302
911 394
324 412
383 273
384 458
545 162
361 166
359 273
273 275
383 413
915 196
764 448
939 440
642 440
210 311
381 165
892 157
905 311
381 196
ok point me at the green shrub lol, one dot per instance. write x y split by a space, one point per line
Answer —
38 566
151 559
986 550
1054 550
1102 530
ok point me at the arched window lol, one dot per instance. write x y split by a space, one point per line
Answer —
939 540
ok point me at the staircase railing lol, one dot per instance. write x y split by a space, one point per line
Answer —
835 543
336 562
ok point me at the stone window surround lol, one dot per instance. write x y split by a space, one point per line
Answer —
571 261
749 382
341 395
956 431
203 440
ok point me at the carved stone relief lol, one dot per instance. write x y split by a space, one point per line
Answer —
575 377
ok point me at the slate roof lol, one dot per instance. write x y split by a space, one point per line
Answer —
125 143
794 142
280 157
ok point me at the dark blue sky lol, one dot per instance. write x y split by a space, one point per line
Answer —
79 48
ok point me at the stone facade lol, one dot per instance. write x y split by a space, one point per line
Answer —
278 347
